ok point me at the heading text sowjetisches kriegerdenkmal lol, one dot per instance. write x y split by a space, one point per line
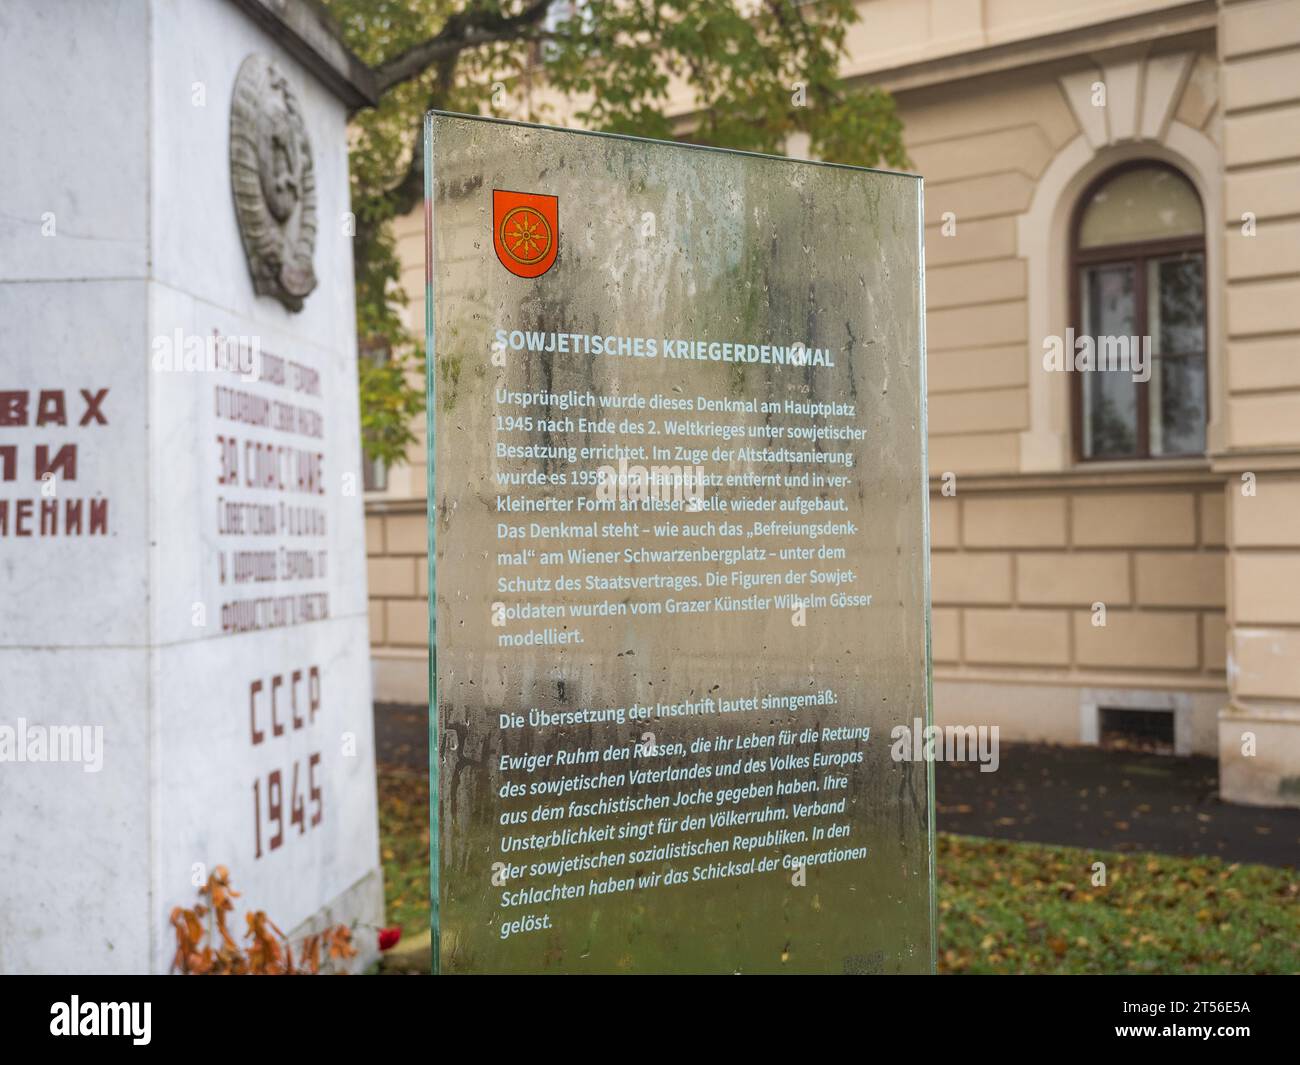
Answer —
795 354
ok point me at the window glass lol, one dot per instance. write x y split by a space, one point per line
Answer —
1109 398
1177 406
1176 312
1145 203
1176 308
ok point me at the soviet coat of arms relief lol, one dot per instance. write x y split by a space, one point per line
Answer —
273 181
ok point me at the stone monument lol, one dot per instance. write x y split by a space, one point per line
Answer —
183 620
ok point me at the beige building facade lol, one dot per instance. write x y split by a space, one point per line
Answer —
1107 551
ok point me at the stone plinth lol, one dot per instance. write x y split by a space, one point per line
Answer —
182 587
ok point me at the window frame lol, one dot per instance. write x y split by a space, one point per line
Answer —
1136 254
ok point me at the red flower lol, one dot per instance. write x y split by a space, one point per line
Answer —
388 937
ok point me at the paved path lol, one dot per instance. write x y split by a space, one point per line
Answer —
1079 796
1112 800
402 736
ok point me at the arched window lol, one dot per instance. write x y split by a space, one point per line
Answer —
1139 291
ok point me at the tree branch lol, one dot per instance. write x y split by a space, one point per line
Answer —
465 29
410 190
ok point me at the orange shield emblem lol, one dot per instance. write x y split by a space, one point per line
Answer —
525 231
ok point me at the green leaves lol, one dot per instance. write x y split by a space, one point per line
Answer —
391 394
743 74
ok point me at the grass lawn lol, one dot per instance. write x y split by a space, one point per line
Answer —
1007 907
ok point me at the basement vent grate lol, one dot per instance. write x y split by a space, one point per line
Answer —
1137 730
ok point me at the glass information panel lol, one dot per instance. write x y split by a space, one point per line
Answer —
678 531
